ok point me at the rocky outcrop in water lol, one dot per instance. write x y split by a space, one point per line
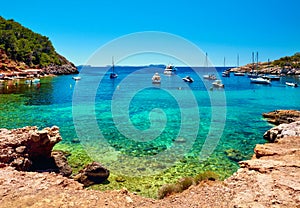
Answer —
282 116
69 68
30 149
93 173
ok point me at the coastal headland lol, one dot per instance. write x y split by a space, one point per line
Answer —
269 179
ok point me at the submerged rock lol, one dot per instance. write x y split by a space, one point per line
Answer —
93 173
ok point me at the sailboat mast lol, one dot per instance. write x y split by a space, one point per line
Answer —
252 61
238 60
224 62
113 65
256 60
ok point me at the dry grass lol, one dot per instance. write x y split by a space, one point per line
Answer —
185 183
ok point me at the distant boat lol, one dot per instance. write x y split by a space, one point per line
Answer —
156 78
76 78
225 73
252 75
113 75
218 84
188 79
260 80
291 84
239 74
170 69
271 77
210 77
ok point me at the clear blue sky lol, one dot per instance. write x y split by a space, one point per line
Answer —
220 28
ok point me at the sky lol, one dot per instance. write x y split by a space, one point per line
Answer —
219 28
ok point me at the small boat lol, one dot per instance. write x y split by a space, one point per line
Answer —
113 75
260 80
271 77
156 79
218 84
188 79
291 84
252 75
169 70
226 74
210 77
76 78
239 74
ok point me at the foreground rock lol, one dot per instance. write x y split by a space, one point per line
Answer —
93 173
283 130
29 149
282 116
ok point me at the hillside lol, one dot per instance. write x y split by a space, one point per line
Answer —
21 48
286 65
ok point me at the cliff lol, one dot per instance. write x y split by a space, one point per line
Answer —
289 65
270 179
21 48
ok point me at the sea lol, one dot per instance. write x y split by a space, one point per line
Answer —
147 134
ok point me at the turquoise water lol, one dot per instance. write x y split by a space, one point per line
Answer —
149 134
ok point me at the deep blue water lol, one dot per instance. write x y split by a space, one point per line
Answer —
137 128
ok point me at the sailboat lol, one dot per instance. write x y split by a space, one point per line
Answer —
253 74
113 75
208 76
238 65
225 73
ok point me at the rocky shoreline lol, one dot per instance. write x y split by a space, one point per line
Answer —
270 179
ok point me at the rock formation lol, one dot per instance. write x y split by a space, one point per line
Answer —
29 149
92 174
282 116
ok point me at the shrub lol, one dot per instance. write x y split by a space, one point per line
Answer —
207 175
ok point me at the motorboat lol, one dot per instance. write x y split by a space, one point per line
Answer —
252 75
271 77
218 84
226 74
210 77
260 80
76 78
169 70
156 78
239 74
291 84
188 79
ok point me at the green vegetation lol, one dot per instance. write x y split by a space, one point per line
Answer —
23 45
185 183
293 61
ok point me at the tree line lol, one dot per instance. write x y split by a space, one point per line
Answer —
23 45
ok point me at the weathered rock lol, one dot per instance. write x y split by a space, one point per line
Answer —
283 130
61 162
59 70
93 173
29 149
282 116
